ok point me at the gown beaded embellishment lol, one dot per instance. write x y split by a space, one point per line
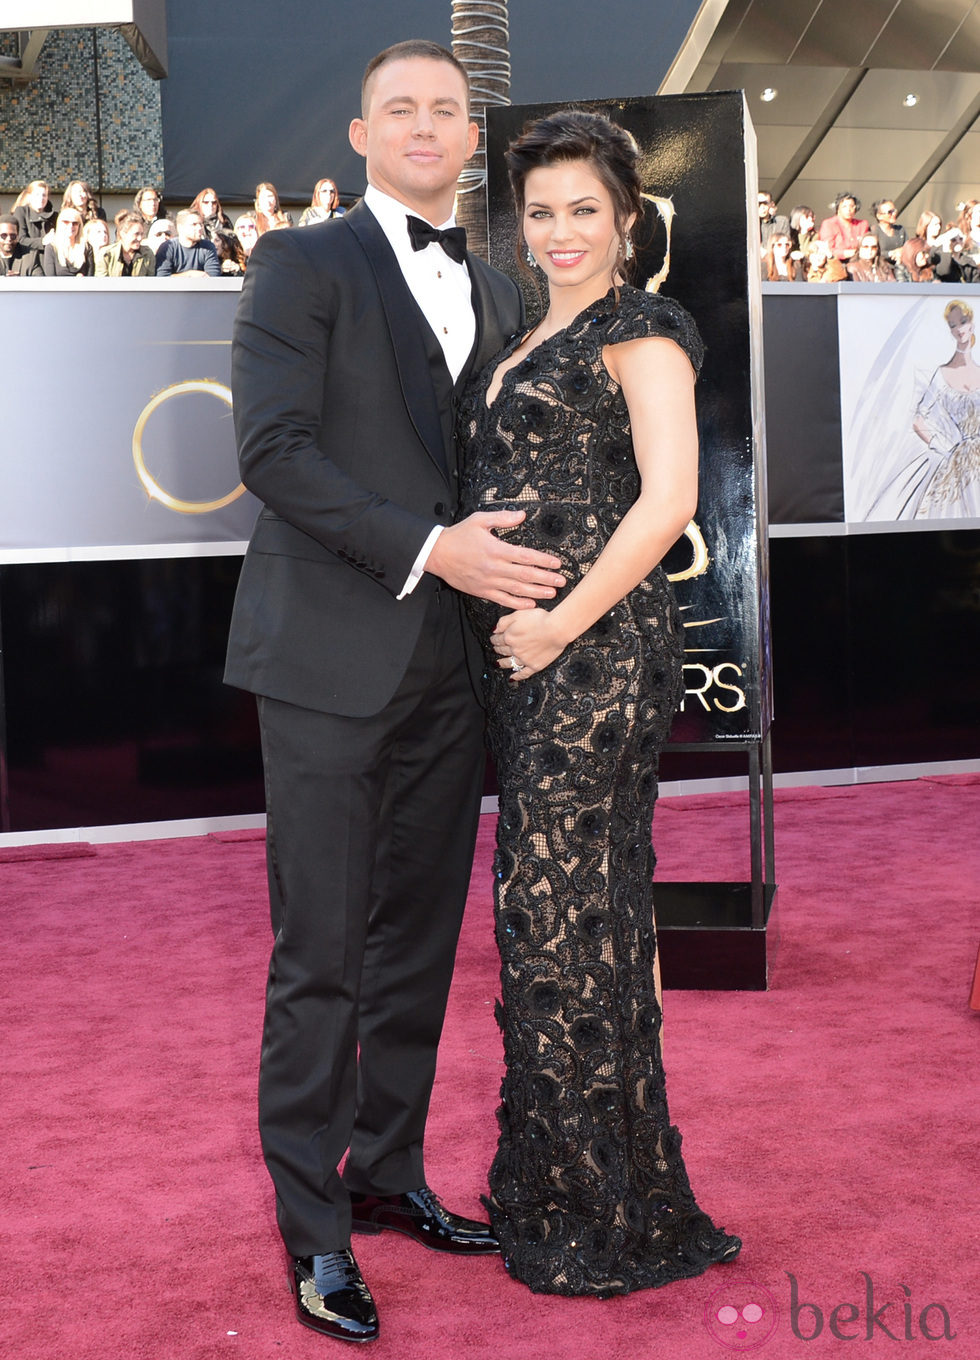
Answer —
588 1189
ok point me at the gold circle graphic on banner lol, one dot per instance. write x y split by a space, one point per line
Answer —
206 387
700 561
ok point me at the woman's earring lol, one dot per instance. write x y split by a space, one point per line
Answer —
628 251
530 258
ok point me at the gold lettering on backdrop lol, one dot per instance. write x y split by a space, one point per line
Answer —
707 676
665 211
700 560
733 689
206 387
700 679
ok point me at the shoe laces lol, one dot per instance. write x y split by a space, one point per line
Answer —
334 1270
430 1200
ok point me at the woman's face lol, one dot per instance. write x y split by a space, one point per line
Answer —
570 226
131 236
78 196
72 224
868 249
327 196
807 221
266 202
846 209
149 203
933 227
160 231
960 327
975 219
781 245
247 234
209 205
38 197
98 234
921 259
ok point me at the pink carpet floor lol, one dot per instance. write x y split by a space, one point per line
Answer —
831 1121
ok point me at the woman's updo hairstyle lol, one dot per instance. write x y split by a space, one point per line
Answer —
966 311
576 135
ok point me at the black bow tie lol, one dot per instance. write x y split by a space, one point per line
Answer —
452 240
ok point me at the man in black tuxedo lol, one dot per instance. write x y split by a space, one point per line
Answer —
352 339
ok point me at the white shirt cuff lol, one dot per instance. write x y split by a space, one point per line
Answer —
415 575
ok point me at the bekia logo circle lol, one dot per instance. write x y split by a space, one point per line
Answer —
741 1316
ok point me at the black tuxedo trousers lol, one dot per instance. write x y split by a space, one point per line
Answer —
370 844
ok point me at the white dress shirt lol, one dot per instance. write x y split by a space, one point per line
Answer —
441 287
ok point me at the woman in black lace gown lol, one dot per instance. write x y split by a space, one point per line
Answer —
586 423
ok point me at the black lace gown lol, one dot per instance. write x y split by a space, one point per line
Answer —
588 1190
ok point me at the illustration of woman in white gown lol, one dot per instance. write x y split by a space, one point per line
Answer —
942 480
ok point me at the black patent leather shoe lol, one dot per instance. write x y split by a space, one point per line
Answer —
418 1214
331 1296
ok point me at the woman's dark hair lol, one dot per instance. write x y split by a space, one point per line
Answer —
150 189
575 135
772 274
229 247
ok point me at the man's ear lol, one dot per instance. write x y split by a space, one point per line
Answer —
357 134
472 138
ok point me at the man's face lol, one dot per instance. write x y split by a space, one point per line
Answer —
9 233
766 206
190 230
417 134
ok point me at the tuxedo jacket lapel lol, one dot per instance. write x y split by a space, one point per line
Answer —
407 330
491 328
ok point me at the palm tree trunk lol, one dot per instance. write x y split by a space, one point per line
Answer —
481 40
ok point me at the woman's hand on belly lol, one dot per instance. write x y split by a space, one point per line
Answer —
532 638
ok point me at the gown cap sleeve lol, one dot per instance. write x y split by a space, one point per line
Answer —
641 315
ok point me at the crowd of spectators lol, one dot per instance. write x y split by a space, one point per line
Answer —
38 239
846 246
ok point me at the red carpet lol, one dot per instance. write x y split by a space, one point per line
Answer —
831 1122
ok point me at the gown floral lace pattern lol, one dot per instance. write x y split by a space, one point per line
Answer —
588 1190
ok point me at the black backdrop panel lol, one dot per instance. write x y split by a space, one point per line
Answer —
695 153
259 91
115 707
803 431
916 645
116 712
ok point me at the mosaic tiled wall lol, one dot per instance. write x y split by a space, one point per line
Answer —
48 125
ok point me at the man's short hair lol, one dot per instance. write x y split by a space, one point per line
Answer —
8 220
186 214
402 51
